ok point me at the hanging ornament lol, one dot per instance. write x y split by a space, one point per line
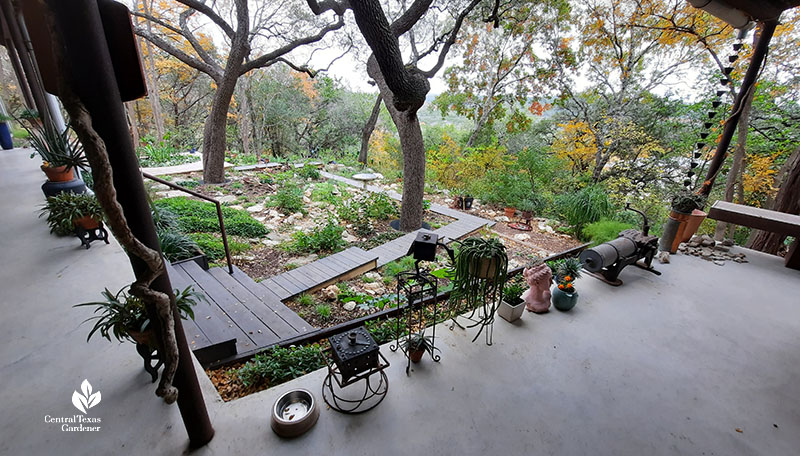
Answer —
693 164
727 71
724 81
690 173
700 145
697 155
687 182
715 104
707 125
737 46
721 92
711 114
733 58
704 135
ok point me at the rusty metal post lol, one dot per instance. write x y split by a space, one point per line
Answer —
91 76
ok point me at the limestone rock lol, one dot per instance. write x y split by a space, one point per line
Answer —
522 237
330 293
255 208
349 306
226 199
663 257
501 218
373 276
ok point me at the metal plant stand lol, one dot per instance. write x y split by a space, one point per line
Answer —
150 354
354 358
483 315
416 288
87 236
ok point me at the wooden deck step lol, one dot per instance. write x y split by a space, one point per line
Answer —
321 273
271 300
209 320
226 308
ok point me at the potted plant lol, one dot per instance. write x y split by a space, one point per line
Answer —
5 132
565 272
685 207
67 210
482 259
418 344
124 316
512 305
59 152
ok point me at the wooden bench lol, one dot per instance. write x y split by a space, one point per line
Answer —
762 219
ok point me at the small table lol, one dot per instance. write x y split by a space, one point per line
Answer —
365 178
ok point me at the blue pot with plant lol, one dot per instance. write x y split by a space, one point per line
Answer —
564 296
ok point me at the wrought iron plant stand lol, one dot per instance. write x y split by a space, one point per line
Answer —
417 288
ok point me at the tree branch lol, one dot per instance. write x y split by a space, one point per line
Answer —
201 7
410 17
266 59
180 55
328 5
451 40
184 22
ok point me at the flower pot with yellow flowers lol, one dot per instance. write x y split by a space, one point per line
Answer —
564 296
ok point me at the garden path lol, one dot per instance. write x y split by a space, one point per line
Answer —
242 317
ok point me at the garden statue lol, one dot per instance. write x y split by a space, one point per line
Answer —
537 297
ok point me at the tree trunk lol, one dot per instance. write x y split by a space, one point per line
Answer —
737 167
244 116
214 133
787 200
369 127
134 126
152 83
413 147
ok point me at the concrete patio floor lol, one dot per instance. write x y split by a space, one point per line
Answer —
664 365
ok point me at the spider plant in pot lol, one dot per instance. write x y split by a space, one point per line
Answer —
684 219
417 344
564 295
125 317
512 305
67 210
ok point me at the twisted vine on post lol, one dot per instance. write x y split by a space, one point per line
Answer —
97 155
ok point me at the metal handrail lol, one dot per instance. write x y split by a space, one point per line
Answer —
203 197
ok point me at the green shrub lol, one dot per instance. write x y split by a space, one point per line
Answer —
164 219
374 241
308 172
188 183
327 238
213 248
281 364
384 330
588 205
177 246
266 178
395 267
604 231
201 217
305 300
288 199
327 193
377 206
323 310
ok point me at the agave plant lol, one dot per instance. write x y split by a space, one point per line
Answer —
57 149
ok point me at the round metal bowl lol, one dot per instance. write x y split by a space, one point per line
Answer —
294 413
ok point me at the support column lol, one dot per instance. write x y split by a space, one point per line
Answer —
91 76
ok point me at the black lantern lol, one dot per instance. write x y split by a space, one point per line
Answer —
354 352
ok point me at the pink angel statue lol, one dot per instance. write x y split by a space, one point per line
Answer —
537 297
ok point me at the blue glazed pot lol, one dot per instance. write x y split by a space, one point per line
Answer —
5 136
564 301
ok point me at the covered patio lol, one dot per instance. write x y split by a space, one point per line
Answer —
700 360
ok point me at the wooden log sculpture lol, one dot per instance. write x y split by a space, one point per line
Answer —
537 297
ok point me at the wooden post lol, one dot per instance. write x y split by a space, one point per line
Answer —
90 74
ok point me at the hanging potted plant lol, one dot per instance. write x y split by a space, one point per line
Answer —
481 258
512 305
683 210
67 210
565 272
124 316
418 344
59 152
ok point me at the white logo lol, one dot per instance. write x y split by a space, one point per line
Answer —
87 400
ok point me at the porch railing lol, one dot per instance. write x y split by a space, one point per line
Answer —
203 197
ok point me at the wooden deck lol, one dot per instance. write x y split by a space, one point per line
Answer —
241 316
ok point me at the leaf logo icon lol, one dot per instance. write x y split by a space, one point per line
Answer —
87 400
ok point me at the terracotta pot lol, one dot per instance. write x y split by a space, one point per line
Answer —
692 224
510 211
87 223
58 173
146 337
484 268
682 219
416 355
